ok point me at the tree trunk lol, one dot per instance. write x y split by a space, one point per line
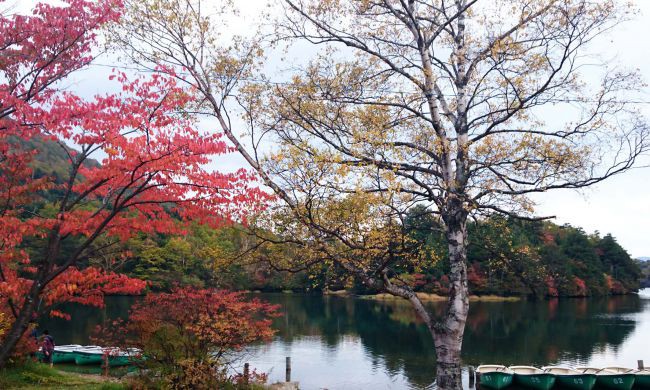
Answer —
448 333
20 324
28 307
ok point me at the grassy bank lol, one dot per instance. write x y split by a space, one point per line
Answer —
42 376
426 297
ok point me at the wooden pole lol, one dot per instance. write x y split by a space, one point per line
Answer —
288 371
640 364
470 369
246 372
105 363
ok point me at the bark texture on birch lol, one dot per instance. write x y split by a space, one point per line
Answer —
448 333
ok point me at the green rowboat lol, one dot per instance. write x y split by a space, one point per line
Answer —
62 353
532 377
494 376
642 379
63 356
121 360
92 355
571 379
97 355
86 358
613 378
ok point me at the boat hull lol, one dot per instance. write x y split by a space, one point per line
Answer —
63 357
115 361
59 356
615 381
577 382
641 381
98 359
495 380
84 358
535 381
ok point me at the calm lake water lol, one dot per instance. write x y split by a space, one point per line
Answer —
350 343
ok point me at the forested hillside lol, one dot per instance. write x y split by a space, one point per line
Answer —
51 159
508 256
505 257
644 265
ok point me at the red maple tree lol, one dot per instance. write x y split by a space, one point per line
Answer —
186 334
153 173
210 322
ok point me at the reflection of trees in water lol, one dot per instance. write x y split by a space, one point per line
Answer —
545 332
538 332
388 331
84 320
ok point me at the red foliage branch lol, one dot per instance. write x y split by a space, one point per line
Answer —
155 174
190 325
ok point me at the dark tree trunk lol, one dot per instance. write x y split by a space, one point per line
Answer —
20 324
28 308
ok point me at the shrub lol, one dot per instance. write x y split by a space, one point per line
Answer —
185 335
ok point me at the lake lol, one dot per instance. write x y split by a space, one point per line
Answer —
350 343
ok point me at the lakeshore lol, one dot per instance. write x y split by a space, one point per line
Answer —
41 376
348 342
427 297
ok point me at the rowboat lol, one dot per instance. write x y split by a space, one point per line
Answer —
123 358
532 377
494 376
92 354
65 353
62 353
642 379
572 379
615 378
96 355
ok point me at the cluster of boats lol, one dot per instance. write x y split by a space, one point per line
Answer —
580 378
93 355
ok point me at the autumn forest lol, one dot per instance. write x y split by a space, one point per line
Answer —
402 157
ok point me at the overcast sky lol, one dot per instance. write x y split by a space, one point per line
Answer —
620 206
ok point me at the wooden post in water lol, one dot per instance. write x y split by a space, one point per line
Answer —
640 364
246 372
471 376
288 371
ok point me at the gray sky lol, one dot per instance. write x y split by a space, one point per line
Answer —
620 205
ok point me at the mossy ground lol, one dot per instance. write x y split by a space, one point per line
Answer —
41 376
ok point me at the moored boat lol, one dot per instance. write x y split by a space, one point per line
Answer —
532 377
123 358
89 355
65 353
494 376
62 353
615 378
93 354
572 379
97 355
642 379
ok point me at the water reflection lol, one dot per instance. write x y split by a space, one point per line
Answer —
85 319
340 343
548 332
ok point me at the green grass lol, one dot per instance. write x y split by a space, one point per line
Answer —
41 376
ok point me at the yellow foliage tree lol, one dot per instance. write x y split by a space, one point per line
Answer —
466 107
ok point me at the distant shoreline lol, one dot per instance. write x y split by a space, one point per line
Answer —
430 297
